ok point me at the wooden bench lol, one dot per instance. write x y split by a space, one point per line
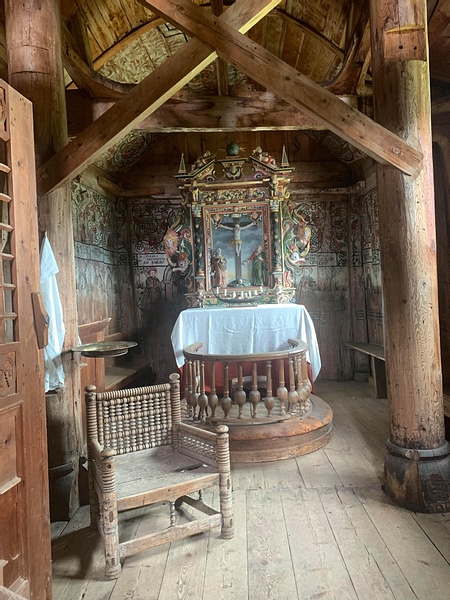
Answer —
377 359
376 353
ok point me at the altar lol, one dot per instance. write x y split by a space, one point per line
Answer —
246 330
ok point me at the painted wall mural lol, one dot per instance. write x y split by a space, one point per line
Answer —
331 280
322 282
159 287
101 259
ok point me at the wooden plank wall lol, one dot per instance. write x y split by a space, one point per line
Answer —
103 278
339 282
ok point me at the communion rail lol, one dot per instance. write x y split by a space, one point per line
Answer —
217 382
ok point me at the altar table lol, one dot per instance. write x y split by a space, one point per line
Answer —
246 330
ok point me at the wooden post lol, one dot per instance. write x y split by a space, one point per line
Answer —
35 69
417 467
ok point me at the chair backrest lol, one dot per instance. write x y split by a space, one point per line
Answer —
133 419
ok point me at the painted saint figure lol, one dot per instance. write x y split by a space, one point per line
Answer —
260 269
219 269
151 291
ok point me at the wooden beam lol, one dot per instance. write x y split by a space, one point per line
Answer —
144 99
84 76
315 176
355 63
132 36
257 111
118 190
221 65
259 64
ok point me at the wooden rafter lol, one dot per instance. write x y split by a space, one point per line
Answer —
84 75
144 99
290 85
311 32
221 65
256 111
355 62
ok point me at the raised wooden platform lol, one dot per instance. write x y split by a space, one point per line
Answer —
286 439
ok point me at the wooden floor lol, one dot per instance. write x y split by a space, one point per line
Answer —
314 527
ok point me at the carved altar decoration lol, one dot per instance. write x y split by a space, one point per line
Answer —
238 237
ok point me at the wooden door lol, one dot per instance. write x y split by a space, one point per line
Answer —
24 511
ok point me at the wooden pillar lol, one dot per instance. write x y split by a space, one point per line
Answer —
417 467
35 70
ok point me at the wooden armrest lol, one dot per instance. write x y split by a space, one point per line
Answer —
99 452
198 433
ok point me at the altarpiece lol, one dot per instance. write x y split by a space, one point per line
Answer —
239 239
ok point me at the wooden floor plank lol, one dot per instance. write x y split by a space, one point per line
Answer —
352 468
185 568
142 573
425 568
365 570
270 569
374 545
437 529
317 471
318 567
317 527
281 474
248 476
226 574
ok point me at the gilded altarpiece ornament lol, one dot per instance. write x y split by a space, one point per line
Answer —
238 234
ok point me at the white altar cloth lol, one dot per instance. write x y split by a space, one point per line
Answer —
246 329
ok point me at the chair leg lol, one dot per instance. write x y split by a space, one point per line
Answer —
110 517
110 527
226 502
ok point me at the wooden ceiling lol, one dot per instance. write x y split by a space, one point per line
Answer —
110 46
324 39
126 41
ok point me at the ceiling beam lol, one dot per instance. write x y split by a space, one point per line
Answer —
84 76
371 138
142 100
221 65
256 111
354 67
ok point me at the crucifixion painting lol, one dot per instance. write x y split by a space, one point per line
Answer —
235 234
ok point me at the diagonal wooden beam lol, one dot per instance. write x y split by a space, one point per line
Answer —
84 76
290 85
145 98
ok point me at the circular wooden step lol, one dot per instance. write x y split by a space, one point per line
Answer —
278 441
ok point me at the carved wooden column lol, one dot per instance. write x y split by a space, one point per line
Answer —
417 467
35 69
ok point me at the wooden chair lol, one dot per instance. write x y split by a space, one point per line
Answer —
140 453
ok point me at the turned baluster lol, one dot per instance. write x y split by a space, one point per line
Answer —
269 400
293 395
226 401
300 389
306 383
282 392
202 397
189 390
213 400
194 393
255 395
240 396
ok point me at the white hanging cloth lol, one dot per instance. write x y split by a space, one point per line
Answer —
53 369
